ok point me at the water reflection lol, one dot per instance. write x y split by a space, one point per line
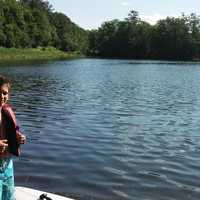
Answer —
109 129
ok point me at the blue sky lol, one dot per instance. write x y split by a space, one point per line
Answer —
90 14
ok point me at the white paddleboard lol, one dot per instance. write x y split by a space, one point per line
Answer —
23 193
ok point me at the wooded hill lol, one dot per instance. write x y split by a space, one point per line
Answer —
33 23
171 38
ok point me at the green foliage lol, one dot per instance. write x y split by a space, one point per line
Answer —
68 36
171 38
33 23
29 55
133 17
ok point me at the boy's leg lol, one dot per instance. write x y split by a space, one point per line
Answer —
8 188
1 188
1 179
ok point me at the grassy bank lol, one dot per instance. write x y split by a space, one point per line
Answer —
37 54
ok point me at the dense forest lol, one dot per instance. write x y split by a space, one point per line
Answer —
34 23
170 38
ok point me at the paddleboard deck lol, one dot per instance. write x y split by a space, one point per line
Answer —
24 193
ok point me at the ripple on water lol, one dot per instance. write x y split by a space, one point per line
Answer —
109 129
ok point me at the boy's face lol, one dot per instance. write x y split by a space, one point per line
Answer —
4 94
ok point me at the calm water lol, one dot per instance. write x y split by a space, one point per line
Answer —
109 129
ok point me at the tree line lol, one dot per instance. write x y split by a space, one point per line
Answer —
171 38
33 23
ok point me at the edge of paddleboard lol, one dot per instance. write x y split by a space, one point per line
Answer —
22 193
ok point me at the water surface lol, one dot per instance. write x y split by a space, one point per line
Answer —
109 129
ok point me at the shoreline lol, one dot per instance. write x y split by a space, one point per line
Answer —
45 54
15 55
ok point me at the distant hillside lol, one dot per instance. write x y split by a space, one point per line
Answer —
33 23
170 39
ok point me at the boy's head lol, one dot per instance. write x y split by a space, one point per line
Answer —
4 90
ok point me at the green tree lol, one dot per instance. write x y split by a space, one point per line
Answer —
33 23
128 38
106 38
193 23
70 37
38 26
139 40
171 40
62 26
133 17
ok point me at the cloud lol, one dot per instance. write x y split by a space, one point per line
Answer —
125 3
152 19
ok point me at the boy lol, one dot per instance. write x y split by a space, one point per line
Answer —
10 140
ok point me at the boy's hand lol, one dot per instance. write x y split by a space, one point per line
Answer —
3 145
22 139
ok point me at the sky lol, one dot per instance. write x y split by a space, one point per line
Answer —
90 14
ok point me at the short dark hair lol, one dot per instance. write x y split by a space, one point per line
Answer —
4 80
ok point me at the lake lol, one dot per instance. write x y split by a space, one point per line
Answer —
103 129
